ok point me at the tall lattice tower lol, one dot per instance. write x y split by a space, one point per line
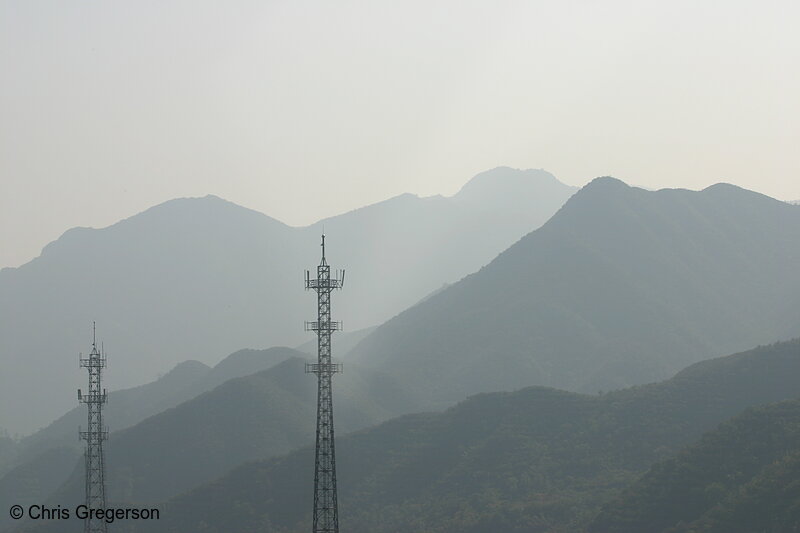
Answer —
326 506
94 436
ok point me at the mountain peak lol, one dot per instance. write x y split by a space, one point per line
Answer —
199 206
506 177
513 189
735 194
249 361
605 187
603 191
723 186
608 182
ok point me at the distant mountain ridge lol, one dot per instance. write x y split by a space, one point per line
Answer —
622 286
534 460
130 406
44 460
193 278
250 417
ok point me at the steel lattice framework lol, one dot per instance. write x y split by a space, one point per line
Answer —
94 436
326 506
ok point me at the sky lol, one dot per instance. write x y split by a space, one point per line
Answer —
306 109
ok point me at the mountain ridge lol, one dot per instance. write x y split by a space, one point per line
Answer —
193 278
534 460
44 460
616 272
248 417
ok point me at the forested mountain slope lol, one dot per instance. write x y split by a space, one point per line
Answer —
622 286
43 461
740 478
251 417
533 460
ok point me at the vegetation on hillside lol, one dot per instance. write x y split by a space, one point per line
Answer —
740 478
533 460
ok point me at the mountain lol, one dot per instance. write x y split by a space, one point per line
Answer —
43 461
193 278
128 407
740 478
125 408
400 250
238 364
622 286
533 460
246 418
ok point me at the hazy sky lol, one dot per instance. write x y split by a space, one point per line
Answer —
304 109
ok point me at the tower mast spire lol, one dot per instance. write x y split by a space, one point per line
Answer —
326 506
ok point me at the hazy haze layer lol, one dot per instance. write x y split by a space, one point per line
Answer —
306 109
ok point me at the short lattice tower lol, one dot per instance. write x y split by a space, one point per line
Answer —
94 437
